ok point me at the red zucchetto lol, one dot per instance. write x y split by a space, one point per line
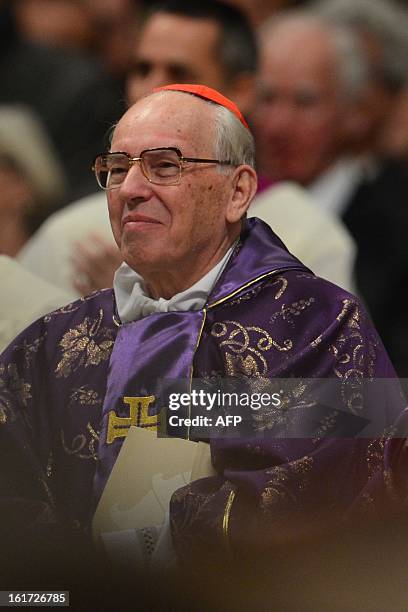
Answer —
207 93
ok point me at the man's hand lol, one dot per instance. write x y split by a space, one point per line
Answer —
94 262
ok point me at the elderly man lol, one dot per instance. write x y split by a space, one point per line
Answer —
312 121
212 43
203 293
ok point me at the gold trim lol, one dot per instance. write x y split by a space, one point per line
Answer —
116 321
200 333
226 519
252 282
227 297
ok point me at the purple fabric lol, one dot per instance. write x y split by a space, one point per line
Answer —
142 350
60 378
248 266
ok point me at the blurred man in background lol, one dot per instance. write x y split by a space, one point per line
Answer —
312 127
382 30
71 94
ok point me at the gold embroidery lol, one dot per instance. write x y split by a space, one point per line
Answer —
326 424
83 447
315 343
375 455
226 520
69 308
308 275
73 306
287 313
138 415
283 288
237 291
245 365
249 295
85 345
355 356
344 310
241 340
277 490
293 394
85 396
14 388
50 464
30 350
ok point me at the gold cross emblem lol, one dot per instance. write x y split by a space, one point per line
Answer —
138 415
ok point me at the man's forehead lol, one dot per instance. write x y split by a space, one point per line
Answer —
169 39
287 37
183 112
173 33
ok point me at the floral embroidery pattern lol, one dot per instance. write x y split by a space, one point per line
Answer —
85 396
287 480
72 306
246 346
87 344
12 387
288 312
354 361
30 349
84 446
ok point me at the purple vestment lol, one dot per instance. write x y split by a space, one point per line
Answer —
63 416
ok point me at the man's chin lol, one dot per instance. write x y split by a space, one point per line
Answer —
144 262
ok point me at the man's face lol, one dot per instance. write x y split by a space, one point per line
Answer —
175 49
161 229
301 117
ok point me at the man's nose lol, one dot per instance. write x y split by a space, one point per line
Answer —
135 185
278 118
158 77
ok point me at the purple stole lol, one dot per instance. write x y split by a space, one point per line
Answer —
161 345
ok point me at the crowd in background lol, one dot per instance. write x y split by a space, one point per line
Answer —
325 92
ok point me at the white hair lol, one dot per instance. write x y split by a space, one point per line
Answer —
385 21
233 142
352 63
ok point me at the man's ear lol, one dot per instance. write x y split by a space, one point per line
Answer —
244 184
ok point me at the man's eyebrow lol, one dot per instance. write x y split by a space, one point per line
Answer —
174 66
138 64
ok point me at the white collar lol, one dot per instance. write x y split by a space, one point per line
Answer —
133 303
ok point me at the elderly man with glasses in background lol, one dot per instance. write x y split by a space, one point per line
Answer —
203 292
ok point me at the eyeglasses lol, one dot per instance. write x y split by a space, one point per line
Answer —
162 166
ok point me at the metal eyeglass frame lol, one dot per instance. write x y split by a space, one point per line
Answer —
134 160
